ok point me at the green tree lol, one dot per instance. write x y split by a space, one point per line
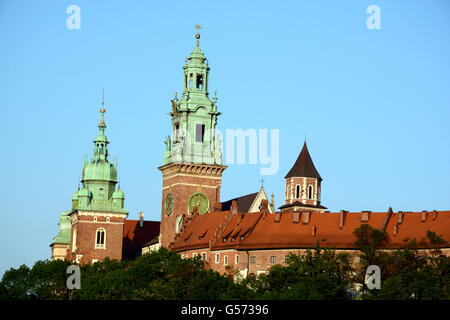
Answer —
319 274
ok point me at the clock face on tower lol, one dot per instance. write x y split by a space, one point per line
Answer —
199 200
169 204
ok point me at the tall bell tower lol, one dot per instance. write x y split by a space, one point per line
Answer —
192 163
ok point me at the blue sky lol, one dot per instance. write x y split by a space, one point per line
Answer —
375 104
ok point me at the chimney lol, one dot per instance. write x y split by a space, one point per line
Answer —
400 217
277 216
305 217
395 229
240 216
295 217
434 215
264 207
217 207
424 215
234 207
387 218
272 203
141 219
365 216
342 215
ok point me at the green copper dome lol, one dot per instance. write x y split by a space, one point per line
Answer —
100 170
84 192
64 229
118 194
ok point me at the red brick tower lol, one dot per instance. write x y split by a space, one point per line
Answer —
192 164
303 185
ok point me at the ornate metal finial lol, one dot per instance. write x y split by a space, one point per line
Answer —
198 27
102 110
262 183
197 36
102 124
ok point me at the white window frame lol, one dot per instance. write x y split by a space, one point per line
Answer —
225 260
100 245
74 240
217 258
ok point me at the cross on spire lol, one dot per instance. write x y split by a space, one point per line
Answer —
262 182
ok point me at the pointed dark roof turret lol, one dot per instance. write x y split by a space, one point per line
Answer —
304 166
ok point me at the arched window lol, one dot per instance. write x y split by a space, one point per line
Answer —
74 240
310 192
297 191
100 238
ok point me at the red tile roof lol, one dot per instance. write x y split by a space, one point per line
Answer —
223 230
200 231
286 234
134 237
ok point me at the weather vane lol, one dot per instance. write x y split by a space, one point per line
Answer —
198 27
102 110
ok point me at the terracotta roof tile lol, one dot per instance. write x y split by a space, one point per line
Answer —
134 237
200 231
286 234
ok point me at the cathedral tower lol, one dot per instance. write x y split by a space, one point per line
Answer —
192 163
303 184
97 216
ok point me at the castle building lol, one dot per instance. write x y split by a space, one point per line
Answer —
245 233
96 227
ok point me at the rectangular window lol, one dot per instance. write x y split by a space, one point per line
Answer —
236 259
177 128
273 259
217 258
203 256
225 260
252 259
194 255
199 132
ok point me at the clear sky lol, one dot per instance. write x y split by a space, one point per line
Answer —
375 104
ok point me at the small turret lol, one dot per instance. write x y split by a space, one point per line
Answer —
84 197
118 198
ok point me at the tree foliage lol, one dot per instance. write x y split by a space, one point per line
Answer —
318 274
